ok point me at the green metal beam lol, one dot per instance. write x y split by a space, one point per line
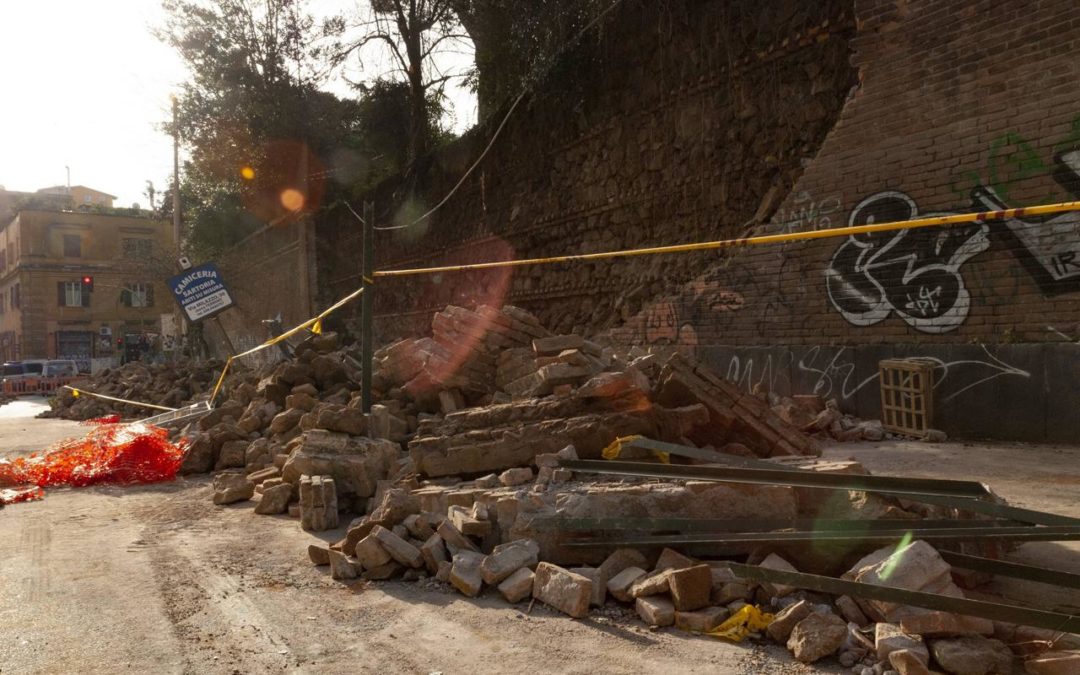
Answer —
994 611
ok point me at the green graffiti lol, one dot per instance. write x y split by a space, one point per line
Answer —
1012 160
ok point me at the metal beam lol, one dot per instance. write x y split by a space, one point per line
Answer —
1011 569
795 478
913 489
751 525
1022 533
978 608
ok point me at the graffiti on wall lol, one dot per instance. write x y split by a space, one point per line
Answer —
835 371
916 274
912 273
1048 247
807 213
672 321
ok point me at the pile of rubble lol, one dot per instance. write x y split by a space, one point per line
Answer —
460 475
813 415
168 384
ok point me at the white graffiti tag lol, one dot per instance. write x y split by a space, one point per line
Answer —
914 273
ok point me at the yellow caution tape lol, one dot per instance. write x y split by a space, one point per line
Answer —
613 450
313 325
753 241
77 392
747 620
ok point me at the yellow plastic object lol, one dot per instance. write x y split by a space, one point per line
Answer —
749 619
612 451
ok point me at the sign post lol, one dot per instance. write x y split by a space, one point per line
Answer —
201 293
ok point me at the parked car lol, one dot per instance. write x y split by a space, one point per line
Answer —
34 373
51 367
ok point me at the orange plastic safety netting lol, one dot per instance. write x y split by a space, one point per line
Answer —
110 453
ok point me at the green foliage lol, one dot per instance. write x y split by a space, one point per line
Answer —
518 43
252 116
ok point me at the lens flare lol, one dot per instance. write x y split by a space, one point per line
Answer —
292 199
247 173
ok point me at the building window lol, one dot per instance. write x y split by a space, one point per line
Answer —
138 295
15 301
88 199
69 294
137 249
72 246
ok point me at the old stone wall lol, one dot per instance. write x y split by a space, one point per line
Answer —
690 121
679 121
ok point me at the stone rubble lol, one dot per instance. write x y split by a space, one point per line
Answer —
455 478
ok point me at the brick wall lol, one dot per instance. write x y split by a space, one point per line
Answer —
689 121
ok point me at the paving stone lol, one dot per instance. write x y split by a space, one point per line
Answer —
232 487
599 590
517 586
274 500
505 559
702 620
785 620
382 572
732 591
656 610
672 560
371 553
817 636
455 540
775 562
691 588
398 548
621 559
653 583
565 591
320 555
516 476
619 585
434 553
972 655
849 609
908 662
341 566
465 573
888 638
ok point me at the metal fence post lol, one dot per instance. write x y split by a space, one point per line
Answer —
367 304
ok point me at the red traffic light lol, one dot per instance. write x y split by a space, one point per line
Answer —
88 283
88 280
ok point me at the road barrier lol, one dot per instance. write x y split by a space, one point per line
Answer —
36 386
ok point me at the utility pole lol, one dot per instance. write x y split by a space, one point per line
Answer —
176 179
367 305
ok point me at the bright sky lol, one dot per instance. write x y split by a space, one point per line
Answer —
85 85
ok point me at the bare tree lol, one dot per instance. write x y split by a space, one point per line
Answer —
411 34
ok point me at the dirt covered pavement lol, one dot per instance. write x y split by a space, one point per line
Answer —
156 578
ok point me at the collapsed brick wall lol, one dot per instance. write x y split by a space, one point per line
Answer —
679 121
961 107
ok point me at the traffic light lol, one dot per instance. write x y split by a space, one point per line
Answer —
88 284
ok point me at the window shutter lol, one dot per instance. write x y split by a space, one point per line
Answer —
149 295
125 296
60 293
85 297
